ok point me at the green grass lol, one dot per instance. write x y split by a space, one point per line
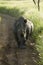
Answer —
30 11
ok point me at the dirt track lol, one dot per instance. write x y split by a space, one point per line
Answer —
9 53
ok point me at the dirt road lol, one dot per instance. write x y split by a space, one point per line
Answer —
9 53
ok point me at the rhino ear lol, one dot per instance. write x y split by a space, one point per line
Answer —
25 20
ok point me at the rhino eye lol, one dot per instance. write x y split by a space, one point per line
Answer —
22 35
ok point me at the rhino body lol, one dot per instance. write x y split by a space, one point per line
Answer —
22 29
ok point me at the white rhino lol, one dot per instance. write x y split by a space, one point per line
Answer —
22 29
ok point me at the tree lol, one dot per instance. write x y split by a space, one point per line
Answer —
37 3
